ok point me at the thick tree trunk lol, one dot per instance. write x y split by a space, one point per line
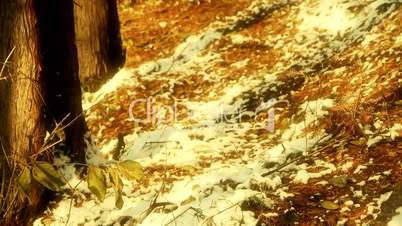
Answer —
100 52
21 105
39 86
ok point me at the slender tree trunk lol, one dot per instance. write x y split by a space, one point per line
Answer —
100 52
56 24
21 105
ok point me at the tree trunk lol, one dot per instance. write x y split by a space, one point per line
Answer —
38 87
21 106
100 52
56 25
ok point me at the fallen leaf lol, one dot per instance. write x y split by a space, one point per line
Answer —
329 205
339 181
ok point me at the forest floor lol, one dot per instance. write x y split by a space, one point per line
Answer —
276 112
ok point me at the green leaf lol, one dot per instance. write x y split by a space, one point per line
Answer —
117 184
97 182
45 174
24 181
115 179
119 200
131 170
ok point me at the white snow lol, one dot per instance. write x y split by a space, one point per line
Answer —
333 17
375 207
347 166
239 39
313 111
397 219
303 176
392 133
202 141
124 76
374 178
359 169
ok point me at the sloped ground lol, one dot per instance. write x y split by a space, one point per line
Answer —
258 113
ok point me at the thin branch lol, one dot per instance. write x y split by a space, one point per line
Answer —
197 211
222 211
11 204
4 152
153 205
72 199
46 146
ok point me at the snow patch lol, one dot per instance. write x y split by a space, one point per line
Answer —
397 219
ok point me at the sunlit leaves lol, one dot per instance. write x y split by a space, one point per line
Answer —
119 200
97 182
117 184
45 174
100 177
130 169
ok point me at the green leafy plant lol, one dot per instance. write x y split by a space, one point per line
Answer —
98 175
42 172
97 182
97 178
45 174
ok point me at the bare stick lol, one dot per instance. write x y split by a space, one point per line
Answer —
153 205
71 201
222 211
197 211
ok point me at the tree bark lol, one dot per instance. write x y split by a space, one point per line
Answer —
100 52
56 25
39 86
21 105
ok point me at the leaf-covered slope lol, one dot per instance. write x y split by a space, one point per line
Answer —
274 113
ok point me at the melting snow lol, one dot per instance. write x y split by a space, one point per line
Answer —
396 220
202 198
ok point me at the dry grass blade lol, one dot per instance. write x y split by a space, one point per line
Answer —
5 63
5 195
197 212
210 218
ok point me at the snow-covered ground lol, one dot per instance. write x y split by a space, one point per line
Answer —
227 137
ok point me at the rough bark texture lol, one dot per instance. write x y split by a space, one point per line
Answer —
40 86
21 106
56 24
99 45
